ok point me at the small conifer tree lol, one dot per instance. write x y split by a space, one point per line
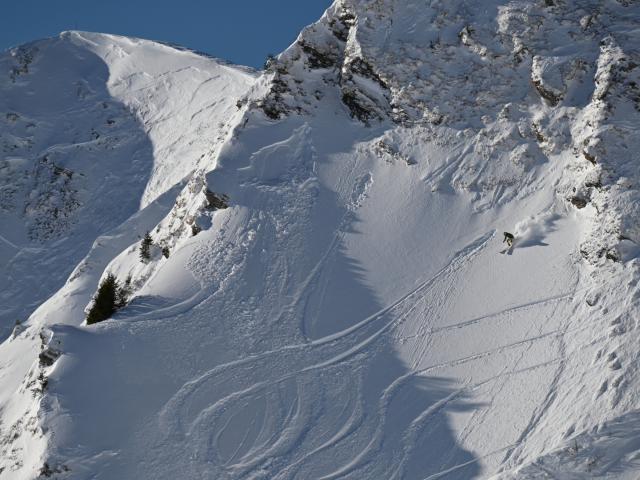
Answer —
145 247
105 301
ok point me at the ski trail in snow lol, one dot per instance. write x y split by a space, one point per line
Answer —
354 420
314 278
330 339
487 353
465 464
258 378
9 243
304 288
189 413
452 265
541 409
497 388
499 382
512 309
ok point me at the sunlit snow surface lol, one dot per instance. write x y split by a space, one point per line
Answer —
354 314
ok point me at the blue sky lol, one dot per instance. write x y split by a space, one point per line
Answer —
241 31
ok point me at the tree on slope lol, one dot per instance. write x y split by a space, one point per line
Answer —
145 247
104 303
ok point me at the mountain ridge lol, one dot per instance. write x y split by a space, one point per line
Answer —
349 315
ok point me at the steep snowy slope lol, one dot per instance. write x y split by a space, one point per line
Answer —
94 152
93 130
353 314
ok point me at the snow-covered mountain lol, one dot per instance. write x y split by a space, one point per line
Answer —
328 295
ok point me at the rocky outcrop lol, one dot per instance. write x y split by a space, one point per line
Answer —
462 78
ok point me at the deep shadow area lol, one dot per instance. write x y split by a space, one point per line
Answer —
85 160
396 422
265 376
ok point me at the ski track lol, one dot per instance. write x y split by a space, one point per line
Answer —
269 346
340 335
314 277
539 411
508 310
9 243
465 464
188 414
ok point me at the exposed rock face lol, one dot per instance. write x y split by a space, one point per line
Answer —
472 65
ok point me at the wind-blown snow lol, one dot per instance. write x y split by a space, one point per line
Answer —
354 313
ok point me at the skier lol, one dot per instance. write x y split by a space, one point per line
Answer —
508 237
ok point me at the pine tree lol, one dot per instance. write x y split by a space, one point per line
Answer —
145 247
104 303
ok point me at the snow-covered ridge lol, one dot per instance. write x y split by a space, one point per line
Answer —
93 130
350 314
94 152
